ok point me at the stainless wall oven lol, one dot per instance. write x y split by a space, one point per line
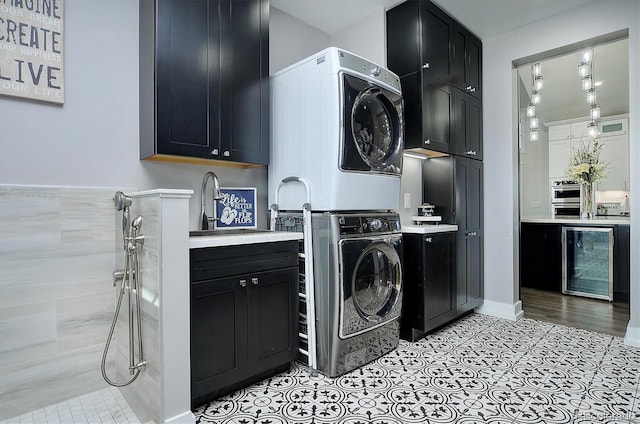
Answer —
565 210
565 198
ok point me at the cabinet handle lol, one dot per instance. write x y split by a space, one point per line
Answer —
243 283
254 281
427 141
226 153
425 66
214 152
428 239
471 89
471 234
471 152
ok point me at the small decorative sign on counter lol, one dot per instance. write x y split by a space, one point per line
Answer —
32 49
236 208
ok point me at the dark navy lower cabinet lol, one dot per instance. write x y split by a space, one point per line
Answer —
243 326
429 291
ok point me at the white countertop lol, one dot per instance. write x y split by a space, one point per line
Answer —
598 220
221 239
428 229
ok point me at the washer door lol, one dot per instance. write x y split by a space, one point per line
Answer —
373 128
371 283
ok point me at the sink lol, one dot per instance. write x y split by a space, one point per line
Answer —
235 232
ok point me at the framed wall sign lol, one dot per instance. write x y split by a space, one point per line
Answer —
32 49
236 208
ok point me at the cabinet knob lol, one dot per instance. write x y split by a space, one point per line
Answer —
472 234
471 89
425 66
427 141
214 152
428 240
471 152
226 153
243 283
254 281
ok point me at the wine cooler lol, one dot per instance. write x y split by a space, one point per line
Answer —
587 262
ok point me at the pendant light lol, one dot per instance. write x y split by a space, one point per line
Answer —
531 110
585 72
536 85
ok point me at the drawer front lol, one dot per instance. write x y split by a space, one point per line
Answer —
216 262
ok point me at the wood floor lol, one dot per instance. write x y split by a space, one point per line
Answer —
574 311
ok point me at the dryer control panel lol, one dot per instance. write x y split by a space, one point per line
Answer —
369 69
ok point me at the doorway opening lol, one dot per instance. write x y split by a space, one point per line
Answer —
573 99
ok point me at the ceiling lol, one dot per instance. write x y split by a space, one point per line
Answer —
562 98
485 18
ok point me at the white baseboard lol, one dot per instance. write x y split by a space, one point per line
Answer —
632 336
184 418
512 312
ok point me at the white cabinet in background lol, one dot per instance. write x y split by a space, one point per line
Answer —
565 137
559 151
615 152
568 131
562 139
559 132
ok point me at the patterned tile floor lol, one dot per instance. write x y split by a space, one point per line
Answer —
478 370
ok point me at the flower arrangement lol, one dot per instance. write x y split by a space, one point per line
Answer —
586 168
585 165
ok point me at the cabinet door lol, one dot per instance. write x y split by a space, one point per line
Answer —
467 61
437 114
273 319
615 153
218 336
474 69
560 132
469 199
439 256
559 151
579 129
244 61
541 256
436 36
467 127
186 88
621 261
403 38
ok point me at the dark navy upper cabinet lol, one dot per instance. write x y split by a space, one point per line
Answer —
204 77
419 37
440 65
467 62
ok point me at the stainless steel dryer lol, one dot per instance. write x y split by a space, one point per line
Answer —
358 287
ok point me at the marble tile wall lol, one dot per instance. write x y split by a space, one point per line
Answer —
57 252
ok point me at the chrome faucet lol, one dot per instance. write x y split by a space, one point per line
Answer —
208 220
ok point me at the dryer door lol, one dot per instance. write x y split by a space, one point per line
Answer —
373 128
371 283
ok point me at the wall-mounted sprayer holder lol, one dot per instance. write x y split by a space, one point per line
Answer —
129 277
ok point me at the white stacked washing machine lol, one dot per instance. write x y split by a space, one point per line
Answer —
336 145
